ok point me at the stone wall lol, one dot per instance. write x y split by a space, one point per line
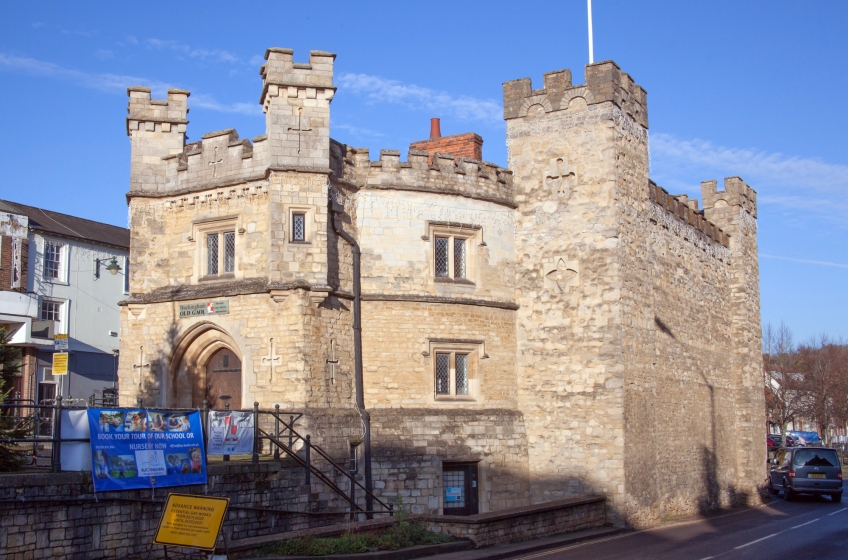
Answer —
56 515
410 445
568 286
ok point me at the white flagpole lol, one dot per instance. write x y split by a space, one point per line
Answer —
591 40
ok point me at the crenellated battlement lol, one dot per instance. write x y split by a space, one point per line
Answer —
605 82
686 210
159 115
446 175
736 193
281 71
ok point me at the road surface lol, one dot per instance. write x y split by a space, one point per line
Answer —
811 527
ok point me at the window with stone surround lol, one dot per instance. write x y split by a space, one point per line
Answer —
301 224
455 364
453 251
217 248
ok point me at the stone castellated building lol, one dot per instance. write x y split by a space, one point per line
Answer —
560 328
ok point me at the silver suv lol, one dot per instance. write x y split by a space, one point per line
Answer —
806 470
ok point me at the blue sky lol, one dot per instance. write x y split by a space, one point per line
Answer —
734 88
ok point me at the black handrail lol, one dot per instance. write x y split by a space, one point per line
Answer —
323 454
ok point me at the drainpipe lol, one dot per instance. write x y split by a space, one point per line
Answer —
357 352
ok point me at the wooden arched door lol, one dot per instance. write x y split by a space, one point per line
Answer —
223 379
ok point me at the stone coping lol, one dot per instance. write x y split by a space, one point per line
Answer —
31 479
514 513
409 553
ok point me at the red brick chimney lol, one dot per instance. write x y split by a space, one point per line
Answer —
467 145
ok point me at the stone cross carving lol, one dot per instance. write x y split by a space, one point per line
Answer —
214 163
299 128
333 361
561 275
272 360
141 364
559 178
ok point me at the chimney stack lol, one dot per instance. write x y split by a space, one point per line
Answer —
435 129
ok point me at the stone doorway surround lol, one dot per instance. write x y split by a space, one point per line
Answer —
187 369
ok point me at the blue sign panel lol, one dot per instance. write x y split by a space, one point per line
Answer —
142 448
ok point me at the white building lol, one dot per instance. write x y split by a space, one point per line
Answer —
62 275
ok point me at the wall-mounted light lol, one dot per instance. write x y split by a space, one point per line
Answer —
112 266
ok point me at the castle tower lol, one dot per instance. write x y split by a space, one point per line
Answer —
296 101
156 128
576 152
734 210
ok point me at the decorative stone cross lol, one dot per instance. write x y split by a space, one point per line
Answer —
561 275
333 361
272 360
141 364
299 128
214 163
559 178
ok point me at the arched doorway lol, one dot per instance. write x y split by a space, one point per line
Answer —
205 365
223 379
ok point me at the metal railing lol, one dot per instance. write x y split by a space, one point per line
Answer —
46 430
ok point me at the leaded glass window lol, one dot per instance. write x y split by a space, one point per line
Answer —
298 227
442 256
461 374
52 259
212 253
459 258
229 251
443 374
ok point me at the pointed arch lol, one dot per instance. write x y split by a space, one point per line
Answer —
187 366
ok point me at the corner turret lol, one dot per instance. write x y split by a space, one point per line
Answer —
296 101
156 128
604 82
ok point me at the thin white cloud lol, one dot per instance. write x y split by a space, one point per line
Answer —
359 131
115 83
193 52
104 54
805 261
377 89
207 102
776 168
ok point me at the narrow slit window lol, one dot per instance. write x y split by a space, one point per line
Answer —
298 227
442 256
459 258
443 374
229 251
212 253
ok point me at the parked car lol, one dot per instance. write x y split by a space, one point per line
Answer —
806 470
778 439
772 443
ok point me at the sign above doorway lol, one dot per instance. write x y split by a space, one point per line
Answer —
209 308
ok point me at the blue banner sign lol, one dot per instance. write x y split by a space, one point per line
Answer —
144 448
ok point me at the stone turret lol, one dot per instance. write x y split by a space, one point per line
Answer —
156 128
296 101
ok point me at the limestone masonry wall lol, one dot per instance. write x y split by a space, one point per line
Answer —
611 328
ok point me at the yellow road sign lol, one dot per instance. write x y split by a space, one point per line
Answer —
60 363
191 521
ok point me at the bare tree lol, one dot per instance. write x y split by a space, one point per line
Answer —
823 365
782 379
